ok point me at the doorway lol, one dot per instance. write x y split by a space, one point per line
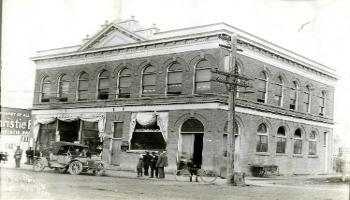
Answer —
191 141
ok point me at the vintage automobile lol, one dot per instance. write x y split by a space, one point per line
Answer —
68 156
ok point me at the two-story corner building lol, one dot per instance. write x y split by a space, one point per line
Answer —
128 89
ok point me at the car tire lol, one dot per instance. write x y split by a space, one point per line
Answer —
100 169
38 166
75 168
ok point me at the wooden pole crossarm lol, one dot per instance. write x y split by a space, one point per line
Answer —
238 76
230 83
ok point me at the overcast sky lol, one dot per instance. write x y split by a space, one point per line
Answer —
317 29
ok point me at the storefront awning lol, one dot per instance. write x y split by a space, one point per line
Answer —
68 117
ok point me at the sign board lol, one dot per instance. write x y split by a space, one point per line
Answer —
15 121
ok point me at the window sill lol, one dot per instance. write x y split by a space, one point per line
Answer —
262 153
298 155
312 156
281 154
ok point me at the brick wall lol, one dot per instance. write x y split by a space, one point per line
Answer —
249 67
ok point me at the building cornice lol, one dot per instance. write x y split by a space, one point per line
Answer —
171 107
183 100
141 49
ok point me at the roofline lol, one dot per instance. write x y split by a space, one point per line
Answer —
226 29
244 33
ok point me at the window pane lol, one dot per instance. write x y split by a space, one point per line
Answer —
262 144
149 89
312 148
83 96
84 76
174 77
203 75
124 90
46 88
125 71
175 67
262 128
149 79
312 135
281 145
104 83
125 81
83 85
297 146
104 74
64 87
149 69
204 86
281 131
297 133
203 64
174 89
118 130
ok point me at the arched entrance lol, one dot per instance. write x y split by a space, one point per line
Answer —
191 141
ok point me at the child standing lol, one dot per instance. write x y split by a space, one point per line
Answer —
139 166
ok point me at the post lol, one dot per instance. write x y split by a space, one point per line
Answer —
231 171
231 117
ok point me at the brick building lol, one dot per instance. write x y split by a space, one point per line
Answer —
128 89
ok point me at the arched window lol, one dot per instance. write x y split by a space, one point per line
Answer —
312 143
124 83
262 87
307 98
202 77
83 87
322 103
63 88
103 85
294 96
281 140
174 79
263 138
279 91
149 75
45 89
298 142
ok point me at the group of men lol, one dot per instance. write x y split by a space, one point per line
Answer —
156 163
18 156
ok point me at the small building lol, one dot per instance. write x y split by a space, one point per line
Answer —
15 129
129 89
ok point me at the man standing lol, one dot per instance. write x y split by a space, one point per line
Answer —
161 163
146 162
18 156
154 169
30 154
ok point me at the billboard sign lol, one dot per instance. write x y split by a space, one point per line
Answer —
15 121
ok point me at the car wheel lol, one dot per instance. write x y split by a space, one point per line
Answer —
75 168
100 169
38 166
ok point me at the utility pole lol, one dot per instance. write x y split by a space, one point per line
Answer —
232 81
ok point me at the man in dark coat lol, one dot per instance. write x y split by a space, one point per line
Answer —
154 169
30 155
146 162
161 163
